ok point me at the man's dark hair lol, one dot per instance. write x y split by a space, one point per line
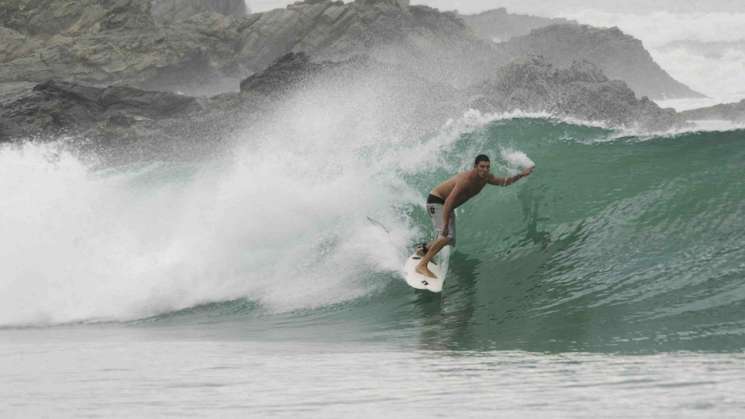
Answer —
480 158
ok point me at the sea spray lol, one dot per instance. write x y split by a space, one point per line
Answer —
516 160
281 221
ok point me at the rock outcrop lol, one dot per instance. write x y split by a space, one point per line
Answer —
70 18
111 42
734 112
118 41
408 103
170 11
620 56
415 65
57 108
579 91
498 25
127 42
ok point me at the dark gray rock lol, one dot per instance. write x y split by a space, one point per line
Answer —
580 91
408 103
117 41
734 112
438 46
426 65
620 56
45 18
171 11
57 108
284 75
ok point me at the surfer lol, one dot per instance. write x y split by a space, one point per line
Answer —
448 196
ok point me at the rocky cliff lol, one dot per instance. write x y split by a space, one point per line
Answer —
410 105
126 42
413 64
118 41
580 91
171 11
498 25
620 56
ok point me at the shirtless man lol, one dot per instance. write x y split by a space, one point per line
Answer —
449 195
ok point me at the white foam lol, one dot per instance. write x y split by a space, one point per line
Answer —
516 160
282 222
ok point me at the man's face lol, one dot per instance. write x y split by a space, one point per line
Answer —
482 169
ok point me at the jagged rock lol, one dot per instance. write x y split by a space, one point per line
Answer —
283 75
73 17
410 104
580 91
726 111
498 25
117 41
436 45
425 64
620 56
54 107
206 48
170 11
407 103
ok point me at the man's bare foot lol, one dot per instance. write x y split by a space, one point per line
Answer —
423 270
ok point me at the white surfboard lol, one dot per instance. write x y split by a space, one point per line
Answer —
422 282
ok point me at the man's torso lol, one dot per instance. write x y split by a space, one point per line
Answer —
472 185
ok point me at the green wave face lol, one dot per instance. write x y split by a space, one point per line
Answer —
628 244
613 244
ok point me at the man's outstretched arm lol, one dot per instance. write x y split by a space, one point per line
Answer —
506 181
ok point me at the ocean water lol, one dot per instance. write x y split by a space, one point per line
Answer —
252 283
